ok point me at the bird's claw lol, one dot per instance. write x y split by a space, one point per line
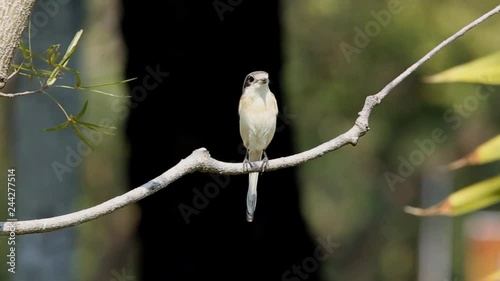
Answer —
246 163
265 163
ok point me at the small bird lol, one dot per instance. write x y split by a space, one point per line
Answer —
258 111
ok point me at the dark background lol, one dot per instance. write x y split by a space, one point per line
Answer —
207 54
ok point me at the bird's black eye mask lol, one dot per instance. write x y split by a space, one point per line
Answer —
248 81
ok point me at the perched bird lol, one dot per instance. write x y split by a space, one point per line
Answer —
258 111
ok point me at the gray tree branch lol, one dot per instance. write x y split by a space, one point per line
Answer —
14 16
18 94
200 160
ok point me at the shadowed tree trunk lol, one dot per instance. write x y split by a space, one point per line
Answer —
191 58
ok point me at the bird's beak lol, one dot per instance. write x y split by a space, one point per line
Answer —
263 81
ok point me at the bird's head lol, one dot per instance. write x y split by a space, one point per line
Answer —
256 80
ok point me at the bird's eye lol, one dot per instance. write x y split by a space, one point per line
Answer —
250 79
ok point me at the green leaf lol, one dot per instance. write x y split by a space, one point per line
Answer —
91 88
109 84
485 70
97 128
71 48
82 111
26 52
57 128
64 61
29 67
468 199
485 153
81 136
106 93
52 54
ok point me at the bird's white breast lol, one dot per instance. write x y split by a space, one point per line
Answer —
258 119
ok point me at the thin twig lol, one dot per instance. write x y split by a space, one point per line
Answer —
200 160
13 95
16 71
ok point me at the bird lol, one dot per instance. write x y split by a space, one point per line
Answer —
258 111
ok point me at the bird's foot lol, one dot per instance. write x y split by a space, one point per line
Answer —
246 162
265 163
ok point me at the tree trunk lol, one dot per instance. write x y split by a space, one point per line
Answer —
14 16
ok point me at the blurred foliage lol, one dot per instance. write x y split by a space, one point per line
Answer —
485 153
106 244
468 199
485 70
492 277
345 194
75 123
55 70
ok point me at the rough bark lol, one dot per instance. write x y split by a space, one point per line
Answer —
14 16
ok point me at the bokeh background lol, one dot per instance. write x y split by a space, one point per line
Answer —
343 197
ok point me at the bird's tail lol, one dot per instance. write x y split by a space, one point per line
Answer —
252 186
